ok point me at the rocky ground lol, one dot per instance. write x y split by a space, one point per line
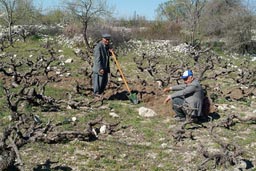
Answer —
126 139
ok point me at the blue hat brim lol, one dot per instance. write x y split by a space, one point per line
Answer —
106 36
184 77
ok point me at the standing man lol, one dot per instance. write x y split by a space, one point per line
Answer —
101 65
187 98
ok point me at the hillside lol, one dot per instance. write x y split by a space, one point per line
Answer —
64 128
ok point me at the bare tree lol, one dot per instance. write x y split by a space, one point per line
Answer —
231 20
87 11
26 12
7 8
14 10
184 12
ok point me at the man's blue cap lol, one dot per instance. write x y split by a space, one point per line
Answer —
186 74
106 36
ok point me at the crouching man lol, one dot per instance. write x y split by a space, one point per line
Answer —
187 100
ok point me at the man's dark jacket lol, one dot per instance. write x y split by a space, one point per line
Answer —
101 58
193 94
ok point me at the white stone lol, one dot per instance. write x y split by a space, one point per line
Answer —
68 61
232 107
242 164
162 139
77 51
254 58
146 112
69 107
160 84
164 145
10 117
223 107
61 56
114 115
94 132
15 84
103 129
68 74
73 119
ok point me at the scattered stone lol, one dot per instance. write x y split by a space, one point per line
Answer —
253 59
77 50
62 63
68 74
68 61
223 107
61 57
73 119
152 155
253 104
164 145
241 165
114 115
162 139
69 107
94 132
232 107
10 117
103 129
15 85
146 112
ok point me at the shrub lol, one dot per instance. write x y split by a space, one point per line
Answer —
72 29
51 31
159 30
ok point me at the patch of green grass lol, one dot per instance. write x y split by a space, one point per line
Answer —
77 62
221 100
56 92
35 37
126 65
30 47
148 133
70 149
5 111
29 108
247 101
2 93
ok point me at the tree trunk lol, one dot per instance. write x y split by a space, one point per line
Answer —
10 33
87 45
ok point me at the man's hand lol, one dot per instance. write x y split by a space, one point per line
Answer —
167 99
101 71
111 51
168 89
113 55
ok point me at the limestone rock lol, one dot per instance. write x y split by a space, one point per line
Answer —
146 112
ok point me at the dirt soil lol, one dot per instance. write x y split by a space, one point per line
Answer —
149 95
